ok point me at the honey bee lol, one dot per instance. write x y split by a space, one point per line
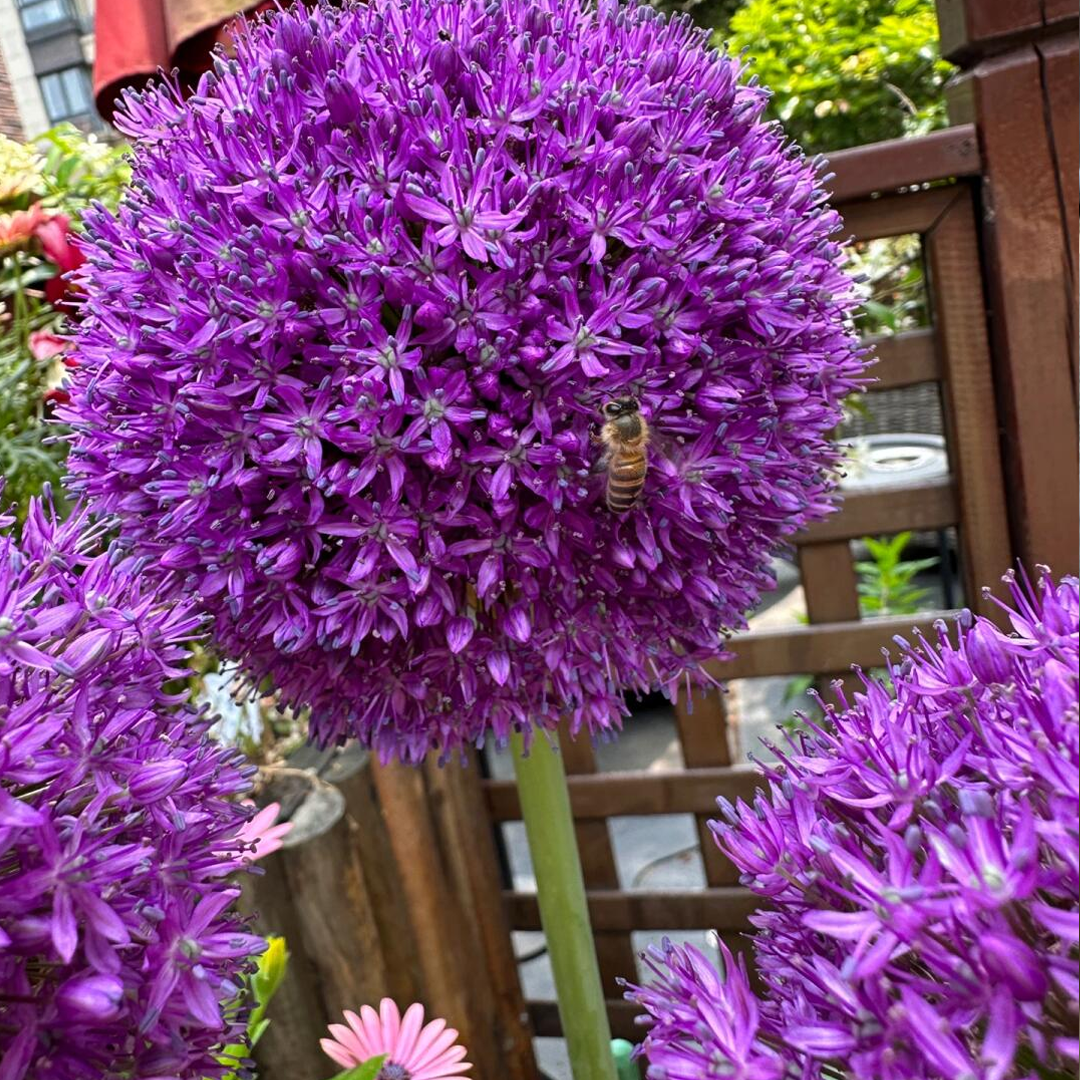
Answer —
625 437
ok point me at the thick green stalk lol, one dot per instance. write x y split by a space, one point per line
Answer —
545 806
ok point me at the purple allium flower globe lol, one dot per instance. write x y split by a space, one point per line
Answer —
347 341
919 853
119 952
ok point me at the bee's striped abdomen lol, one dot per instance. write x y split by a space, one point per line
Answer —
625 479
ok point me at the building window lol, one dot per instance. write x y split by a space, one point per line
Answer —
67 93
40 14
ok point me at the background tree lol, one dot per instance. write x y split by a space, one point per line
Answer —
844 72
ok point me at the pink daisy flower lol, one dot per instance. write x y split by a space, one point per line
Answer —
414 1051
262 833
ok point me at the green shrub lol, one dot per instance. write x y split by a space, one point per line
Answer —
44 189
845 72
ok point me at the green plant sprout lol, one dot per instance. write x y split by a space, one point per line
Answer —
884 587
272 966
885 580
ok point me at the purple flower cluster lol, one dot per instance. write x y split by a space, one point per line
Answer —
346 343
919 853
119 952
705 1023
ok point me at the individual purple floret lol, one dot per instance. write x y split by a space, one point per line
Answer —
705 1022
347 341
120 955
919 856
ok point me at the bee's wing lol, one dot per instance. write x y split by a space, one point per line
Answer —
664 445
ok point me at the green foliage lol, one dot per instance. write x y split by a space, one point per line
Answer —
78 169
368 1071
797 685
894 284
27 461
885 588
61 175
273 964
710 14
845 72
885 581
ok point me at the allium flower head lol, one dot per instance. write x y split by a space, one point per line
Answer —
412 1049
348 339
919 853
119 952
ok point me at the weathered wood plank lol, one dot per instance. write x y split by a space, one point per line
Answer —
809 649
896 215
932 505
298 1015
687 791
970 410
904 359
830 588
466 837
971 27
350 771
700 909
545 1018
1060 59
1027 250
895 163
702 724
441 920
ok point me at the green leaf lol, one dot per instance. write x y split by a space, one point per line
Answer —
272 966
879 58
368 1071
263 985
256 1031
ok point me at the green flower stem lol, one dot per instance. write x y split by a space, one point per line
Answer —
545 806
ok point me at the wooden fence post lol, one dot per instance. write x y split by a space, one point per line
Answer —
387 885
1019 64
446 898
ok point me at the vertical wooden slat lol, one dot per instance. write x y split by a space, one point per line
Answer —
467 838
447 938
298 1016
702 724
350 771
613 948
967 25
1015 90
830 588
704 738
970 410
829 582
1060 59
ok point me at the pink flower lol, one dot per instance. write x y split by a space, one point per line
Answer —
20 227
264 836
414 1051
44 345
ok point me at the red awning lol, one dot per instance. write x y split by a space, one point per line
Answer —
136 38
